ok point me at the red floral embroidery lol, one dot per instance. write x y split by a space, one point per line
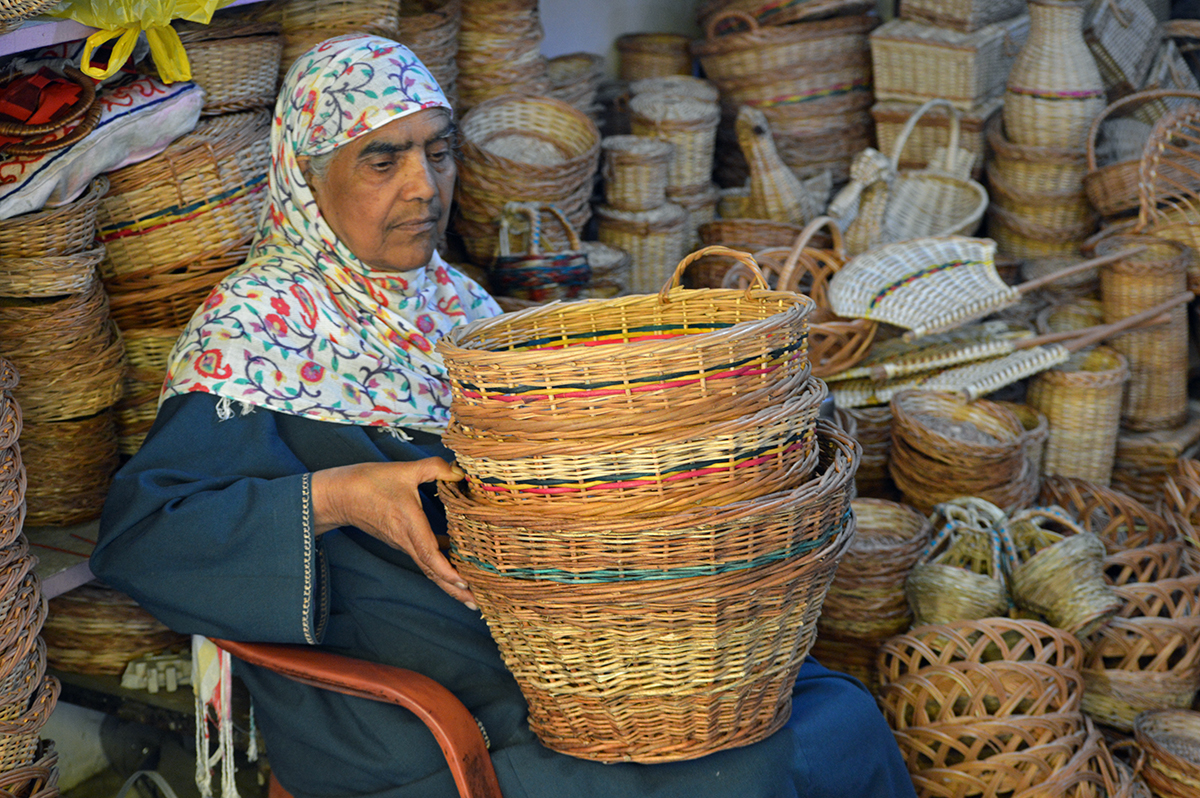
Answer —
276 323
209 365
280 305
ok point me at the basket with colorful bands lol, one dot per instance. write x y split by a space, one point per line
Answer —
659 638
634 363
679 466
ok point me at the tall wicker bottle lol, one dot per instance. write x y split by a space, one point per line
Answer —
1054 90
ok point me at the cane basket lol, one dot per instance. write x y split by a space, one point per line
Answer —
632 363
1170 740
1148 563
1119 520
693 647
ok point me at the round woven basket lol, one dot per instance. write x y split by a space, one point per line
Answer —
198 198
1034 170
1081 400
652 55
612 270
50 275
430 28
749 351
1156 395
780 12
688 124
1170 740
96 629
19 736
656 240
70 466
874 434
669 667
574 78
866 601
1067 209
1037 432
499 51
1021 240
147 351
235 61
635 172
1119 520
64 230
685 465
677 86
1148 563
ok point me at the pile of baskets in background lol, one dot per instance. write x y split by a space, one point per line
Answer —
634 522
499 51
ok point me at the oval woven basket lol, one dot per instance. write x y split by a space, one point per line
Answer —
1177 598
1120 521
951 745
1035 169
758 50
70 465
635 171
688 124
50 275
665 664
635 362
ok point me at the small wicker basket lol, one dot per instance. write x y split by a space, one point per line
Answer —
236 62
64 230
688 124
635 171
652 55
655 239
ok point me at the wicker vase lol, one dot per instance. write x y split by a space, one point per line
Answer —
1054 90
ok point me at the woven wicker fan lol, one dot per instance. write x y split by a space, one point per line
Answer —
934 284
1029 356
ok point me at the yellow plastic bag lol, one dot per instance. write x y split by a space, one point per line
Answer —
125 19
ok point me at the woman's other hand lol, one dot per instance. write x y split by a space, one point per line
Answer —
382 500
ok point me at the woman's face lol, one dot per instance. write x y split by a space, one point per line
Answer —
387 193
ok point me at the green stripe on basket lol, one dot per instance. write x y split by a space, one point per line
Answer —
658 574
620 331
516 390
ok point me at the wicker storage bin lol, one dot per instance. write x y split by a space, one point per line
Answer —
96 629
1064 210
199 197
932 132
70 466
1082 403
652 649
1156 397
1035 170
688 124
652 55
64 230
964 16
1123 37
1037 431
535 354
982 640
683 466
914 62
574 78
756 52
1144 460
49 275
1022 240
656 240
774 12
1120 521
236 62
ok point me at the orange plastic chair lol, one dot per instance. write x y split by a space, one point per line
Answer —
451 723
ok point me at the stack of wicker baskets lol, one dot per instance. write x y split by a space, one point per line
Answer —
992 707
575 78
305 23
499 51
430 28
866 603
959 52
810 78
674 539
173 226
236 62
27 694
652 55
55 328
525 149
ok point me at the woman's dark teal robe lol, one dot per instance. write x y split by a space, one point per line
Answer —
208 527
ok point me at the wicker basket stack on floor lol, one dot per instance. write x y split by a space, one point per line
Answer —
992 707
236 61
499 51
811 78
56 329
27 694
644 529
304 23
173 226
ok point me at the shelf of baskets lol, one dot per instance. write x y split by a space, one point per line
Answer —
45 31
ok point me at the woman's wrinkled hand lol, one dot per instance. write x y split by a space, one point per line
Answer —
382 499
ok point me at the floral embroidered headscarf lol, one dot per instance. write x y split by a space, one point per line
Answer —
305 327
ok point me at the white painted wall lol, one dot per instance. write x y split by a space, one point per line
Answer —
591 26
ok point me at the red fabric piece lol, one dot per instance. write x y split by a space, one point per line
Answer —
36 99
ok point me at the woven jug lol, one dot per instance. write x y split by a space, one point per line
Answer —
776 193
1054 90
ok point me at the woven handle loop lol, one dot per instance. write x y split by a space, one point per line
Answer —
710 30
952 149
745 258
1140 762
802 239
1136 97
1164 131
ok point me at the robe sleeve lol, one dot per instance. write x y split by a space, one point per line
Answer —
209 527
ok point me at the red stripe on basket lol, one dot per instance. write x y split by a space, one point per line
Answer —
1057 95
636 483
525 397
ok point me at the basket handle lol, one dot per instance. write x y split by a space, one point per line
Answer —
511 210
1140 762
572 234
1119 15
710 30
802 239
952 150
745 258
1140 96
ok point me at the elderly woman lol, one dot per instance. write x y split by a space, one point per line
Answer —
285 493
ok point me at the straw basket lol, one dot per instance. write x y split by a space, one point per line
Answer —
680 467
1056 571
655 239
944 447
932 132
866 601
652 55
235 61
914 61
874 433
1135 664
1177 598
1145 459
147 351
20 735
635 171
64 230
960 575
534 274
1082 403
430 28
611 269
1148 563
639 697
1157 394
688 124
1170 740
95 629
1120 521
1069 210
499 51
751 235
962 15
1034 169
198 198
574 77
739 351
49 275
70 466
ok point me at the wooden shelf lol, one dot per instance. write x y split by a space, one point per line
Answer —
62 553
